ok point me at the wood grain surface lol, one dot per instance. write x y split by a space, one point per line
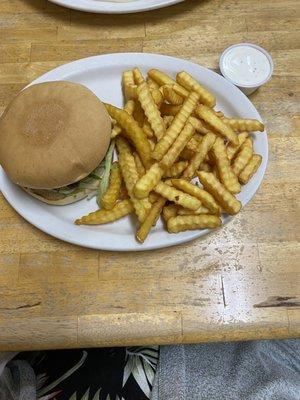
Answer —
241 282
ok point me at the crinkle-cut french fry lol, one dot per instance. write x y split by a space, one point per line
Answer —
206 198
169 109
224 198
200 126
148 181
129 108
186 154
193 143
130 176
139 165
169 211
138 114
233 149
112 193
187 81
176 127
192 222
175 170
160 77
147 129
179 144
129 86
157 97
250 168
186 211
103 216
150 220
208 115
177 196
168 120
153 197
204 166
151 111
180 90
171 96
138 76
243 157
204 146
133 132
152 84
241 125
227 176
151 142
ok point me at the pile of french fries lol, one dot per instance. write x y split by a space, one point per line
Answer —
169 139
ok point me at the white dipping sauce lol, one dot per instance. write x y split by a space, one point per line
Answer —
246 65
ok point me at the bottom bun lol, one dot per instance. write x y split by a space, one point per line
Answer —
55 198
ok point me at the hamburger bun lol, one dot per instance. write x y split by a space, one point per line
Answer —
52 135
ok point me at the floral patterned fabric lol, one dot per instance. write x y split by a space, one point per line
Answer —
94 374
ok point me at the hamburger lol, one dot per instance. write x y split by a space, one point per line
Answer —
54 137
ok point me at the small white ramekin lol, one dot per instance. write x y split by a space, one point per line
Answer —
246 88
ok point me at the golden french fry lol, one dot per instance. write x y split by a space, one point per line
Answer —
171 96
139 165
169 211
175 170
160 77
188 82
157 97
176 148
138 114
180 90
138 76
243 157
130 176
151 111
192 222
175 128
103 216
204 146
193 143
129 108
233 149
186 154
250 168
150 220
129 86
168 120
227 176
133 132
123 191
208 115
177 196
147 129
200 126
219 114
112 193
206 198
200 210
152 84
241 125
226 200
148 181
153 197
152 143
169 109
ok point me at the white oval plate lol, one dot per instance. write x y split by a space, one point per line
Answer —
113 7
102 74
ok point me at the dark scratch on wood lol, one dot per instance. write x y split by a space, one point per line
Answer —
223 292
22 306
279 301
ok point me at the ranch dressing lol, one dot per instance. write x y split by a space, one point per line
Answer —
246 65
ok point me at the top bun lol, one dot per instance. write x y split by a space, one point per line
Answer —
53 134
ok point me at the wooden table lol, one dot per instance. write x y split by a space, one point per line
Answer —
239 283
